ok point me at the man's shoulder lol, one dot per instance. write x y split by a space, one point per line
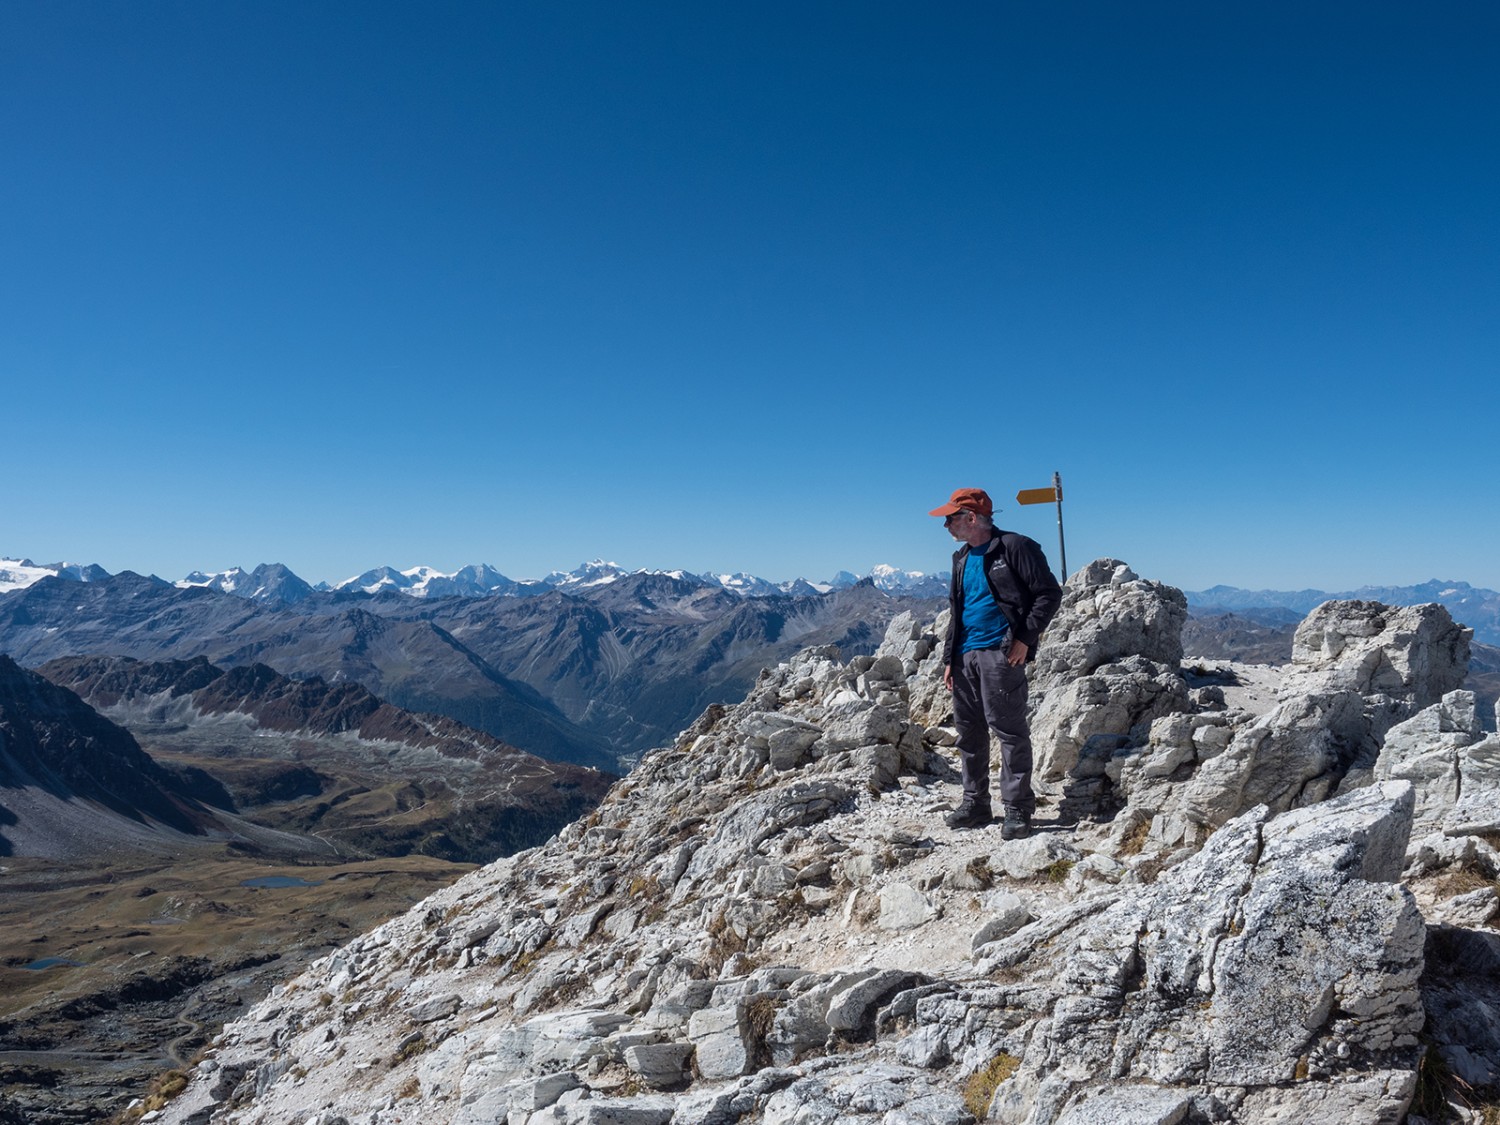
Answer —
1015 551
1010 540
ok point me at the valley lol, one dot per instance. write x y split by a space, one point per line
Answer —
176 838
150 955
333 762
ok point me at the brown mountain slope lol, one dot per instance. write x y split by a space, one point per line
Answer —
334 761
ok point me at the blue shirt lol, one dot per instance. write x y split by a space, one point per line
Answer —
984 626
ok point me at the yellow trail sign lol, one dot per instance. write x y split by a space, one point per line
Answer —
1047 496
1036 496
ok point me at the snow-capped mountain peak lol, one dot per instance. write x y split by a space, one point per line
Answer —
747 585
231 581
472 581
914 582
275 582
595 573
892 580
17 574
267 582
374 581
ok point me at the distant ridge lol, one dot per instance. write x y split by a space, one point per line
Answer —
1470 605
276 582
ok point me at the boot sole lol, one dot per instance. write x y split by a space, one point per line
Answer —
970 822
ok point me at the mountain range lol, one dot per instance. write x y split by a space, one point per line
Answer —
593 671
63 766
276 582
1476 607
592 667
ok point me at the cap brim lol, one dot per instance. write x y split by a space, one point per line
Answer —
946 510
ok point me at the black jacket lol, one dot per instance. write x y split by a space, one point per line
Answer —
1023 584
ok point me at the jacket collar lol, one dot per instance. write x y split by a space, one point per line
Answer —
963 552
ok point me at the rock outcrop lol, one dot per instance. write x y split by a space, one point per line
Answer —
1444 753
768 921
1412 654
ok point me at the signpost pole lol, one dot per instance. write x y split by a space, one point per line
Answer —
1042 496
1062 549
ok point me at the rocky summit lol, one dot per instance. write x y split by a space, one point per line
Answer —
1254 895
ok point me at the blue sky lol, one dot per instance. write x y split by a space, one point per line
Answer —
751 287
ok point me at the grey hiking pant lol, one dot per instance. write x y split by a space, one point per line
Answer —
988 694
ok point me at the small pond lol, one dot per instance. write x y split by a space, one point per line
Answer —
280 881
51 963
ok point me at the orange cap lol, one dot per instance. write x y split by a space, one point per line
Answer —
972 499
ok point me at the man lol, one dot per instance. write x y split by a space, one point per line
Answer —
1001 596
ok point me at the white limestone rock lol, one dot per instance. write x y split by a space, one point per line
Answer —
647 1110
1134 1104
1415 654
854 999
723 1040
662 1065
532 1094
1425 750
907 640
879 1092
1043 853
1253 962
1108 613
1477 810
1006 913
1107 667
1079 725
902 907
1470 910
1291 756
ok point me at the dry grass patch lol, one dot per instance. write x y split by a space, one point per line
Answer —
1460 881
979 1090
410 1048
163 1089
724 943
1135 840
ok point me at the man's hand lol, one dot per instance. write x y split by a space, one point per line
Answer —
948 677
1016 655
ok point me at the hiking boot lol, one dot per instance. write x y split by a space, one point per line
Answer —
969 814
1017 825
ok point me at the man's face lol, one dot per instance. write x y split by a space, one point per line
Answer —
962 525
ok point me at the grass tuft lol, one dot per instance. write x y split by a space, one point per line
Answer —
163 1089
1135 841
410 1050
1057 870
979 1090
